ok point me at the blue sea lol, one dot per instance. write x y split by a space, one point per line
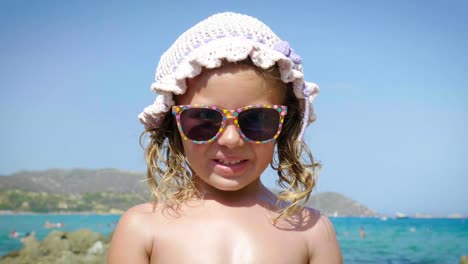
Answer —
390 241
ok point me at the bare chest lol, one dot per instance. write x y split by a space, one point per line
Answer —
227 241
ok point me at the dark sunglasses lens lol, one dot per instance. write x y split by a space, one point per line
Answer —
200 124
259 124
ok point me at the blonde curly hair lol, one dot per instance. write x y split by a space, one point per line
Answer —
169 174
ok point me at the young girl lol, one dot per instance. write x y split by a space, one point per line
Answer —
231 101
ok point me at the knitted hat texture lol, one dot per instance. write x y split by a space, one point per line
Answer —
232 37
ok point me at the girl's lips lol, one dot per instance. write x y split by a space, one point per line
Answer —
229 167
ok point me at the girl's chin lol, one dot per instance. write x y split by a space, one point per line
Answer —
224 184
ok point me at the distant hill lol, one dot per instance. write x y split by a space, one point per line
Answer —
335 204
75 181
83 182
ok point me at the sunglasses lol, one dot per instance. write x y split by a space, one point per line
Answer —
202 124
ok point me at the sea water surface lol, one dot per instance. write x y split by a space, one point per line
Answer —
390 241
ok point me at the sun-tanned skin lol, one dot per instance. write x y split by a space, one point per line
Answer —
233 221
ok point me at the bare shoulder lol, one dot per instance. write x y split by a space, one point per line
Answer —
133 238
140 209
321 239
137 218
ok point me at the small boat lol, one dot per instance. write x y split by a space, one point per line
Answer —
399 215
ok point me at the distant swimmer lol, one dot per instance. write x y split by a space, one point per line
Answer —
14 234
49 225
361 232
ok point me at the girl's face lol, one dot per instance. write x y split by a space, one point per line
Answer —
230 163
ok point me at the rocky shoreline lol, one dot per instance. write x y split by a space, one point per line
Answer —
77 247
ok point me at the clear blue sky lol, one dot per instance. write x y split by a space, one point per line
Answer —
392 113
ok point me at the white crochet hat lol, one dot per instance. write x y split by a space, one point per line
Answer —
232 37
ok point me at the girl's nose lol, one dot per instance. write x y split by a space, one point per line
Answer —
230 137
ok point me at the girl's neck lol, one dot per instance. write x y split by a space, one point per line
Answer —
254 193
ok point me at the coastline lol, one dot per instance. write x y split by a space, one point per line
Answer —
9 212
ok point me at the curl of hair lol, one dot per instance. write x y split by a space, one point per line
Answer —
297 171
168 173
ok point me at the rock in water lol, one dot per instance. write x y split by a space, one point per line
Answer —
464 260
78 247
96 249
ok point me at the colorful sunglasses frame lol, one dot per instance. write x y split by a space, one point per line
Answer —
226 113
